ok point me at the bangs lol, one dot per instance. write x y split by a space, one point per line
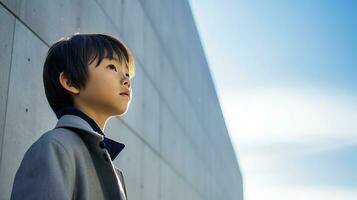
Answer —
106 46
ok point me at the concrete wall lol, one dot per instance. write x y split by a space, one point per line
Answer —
177 144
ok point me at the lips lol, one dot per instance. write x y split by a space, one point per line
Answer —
125 93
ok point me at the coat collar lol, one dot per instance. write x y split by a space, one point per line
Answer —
71 117
74 111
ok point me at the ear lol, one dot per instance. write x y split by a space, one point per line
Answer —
67 84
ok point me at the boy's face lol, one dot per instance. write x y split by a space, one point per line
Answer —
106 82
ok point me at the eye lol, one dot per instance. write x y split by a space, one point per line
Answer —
112 67
127 75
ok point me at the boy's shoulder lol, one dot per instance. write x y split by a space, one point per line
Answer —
63 136
58 137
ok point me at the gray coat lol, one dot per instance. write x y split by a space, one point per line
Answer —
66 164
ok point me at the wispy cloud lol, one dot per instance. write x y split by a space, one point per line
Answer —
303 138
306 116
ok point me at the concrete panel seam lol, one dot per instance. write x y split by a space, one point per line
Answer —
23 23
167 104
8 81
160 156
108 17
171 62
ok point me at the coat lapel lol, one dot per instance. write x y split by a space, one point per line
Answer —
121 177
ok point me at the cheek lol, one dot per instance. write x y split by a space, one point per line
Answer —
103 88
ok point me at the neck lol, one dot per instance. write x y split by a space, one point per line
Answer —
99 118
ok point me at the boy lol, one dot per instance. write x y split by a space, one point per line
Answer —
87 81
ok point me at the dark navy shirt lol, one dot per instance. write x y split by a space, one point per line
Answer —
113 147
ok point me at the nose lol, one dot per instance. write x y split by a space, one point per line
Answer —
127 82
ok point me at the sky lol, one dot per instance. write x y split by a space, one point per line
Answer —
286 78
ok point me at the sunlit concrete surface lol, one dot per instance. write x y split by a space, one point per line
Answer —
177 144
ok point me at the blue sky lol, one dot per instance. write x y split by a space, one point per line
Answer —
286 77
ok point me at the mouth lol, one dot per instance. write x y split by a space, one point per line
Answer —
125 94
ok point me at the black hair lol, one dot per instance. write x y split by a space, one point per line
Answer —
72 56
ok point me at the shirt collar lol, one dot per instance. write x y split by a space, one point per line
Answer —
113 147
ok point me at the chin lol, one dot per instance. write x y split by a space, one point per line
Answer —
122 111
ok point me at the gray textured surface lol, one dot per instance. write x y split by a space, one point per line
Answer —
28 115
6 39
174 131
